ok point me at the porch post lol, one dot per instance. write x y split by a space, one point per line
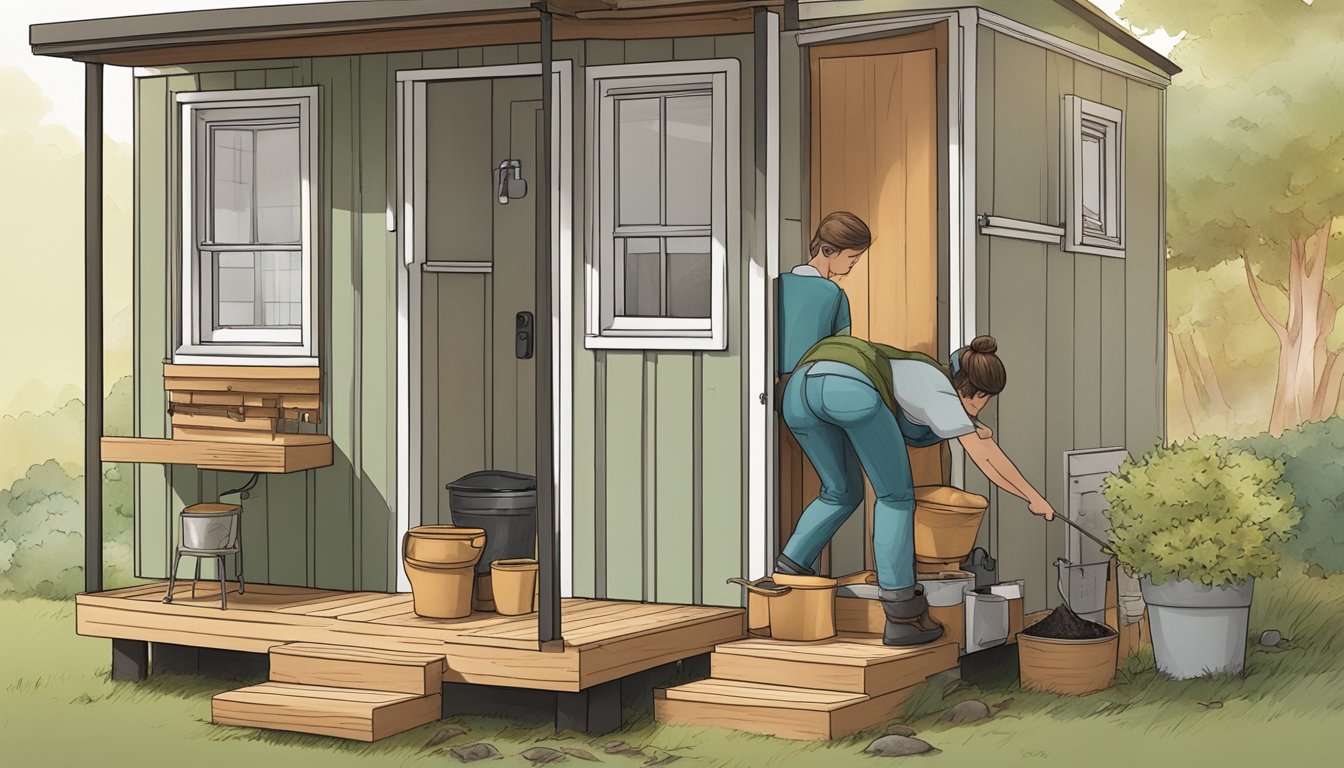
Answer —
548 530
93 326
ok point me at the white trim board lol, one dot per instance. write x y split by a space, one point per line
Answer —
1018 229
411 189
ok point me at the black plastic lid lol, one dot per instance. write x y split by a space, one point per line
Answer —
493 480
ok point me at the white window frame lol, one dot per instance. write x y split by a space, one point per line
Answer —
606 330
236 346
1083 116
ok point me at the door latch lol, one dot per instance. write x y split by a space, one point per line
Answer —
523 334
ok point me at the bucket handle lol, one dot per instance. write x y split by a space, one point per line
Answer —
762 591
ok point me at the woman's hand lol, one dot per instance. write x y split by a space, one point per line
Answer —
1042 507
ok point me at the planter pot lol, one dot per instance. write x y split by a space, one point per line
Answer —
1198 630
801 608
1072 667
945 589
515 585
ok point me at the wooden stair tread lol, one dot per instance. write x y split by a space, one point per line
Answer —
349 713
748 694
853 650
348 667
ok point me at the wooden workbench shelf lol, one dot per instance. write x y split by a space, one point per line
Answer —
285 453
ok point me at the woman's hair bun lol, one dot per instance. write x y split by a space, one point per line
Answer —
985 345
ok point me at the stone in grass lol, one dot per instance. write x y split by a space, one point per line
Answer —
621 748
899 730
544 755
664 760
898 746
969 711
445 733
473 752
1270 638
582 754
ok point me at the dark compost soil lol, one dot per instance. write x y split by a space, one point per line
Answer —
1064 624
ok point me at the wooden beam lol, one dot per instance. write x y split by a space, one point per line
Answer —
93 326
293 455
548 522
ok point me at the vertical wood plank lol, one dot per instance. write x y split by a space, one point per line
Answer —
494 55
985 106
1144 261
624 471
650 50
463 351
649 471
440 59
432 434
674 454
1113 306
252 78
217 81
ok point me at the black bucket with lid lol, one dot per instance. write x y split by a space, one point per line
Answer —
505 505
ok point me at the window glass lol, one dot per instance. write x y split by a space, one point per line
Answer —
277 187
690 132
232 163
261 289
639 160
643 289
235 289
689 266
1094 180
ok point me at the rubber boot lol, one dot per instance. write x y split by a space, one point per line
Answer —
908 620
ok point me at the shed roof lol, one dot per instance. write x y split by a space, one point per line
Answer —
333 28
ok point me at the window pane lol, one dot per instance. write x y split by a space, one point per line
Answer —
258 289
1094 177
281 288
231 165
643 279
278 185
690 131
638 180
688 276
235 289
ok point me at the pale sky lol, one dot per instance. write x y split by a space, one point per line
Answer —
63 81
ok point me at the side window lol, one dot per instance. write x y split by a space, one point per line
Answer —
1093 168
248 166
665 154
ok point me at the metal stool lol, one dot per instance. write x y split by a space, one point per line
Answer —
210 530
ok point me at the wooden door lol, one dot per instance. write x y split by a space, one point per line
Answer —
479 401
874 152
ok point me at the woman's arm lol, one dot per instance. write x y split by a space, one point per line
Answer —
1001 471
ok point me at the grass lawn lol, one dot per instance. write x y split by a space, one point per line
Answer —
57 708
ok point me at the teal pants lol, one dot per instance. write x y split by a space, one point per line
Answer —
844 426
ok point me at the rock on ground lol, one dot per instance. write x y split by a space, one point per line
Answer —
898 746
473 752
969 711
1270 638
544 755
899 730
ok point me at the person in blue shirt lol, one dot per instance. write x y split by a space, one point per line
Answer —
811 305
855 404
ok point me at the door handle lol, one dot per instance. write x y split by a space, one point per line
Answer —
523 335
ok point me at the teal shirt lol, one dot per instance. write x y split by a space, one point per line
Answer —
810 309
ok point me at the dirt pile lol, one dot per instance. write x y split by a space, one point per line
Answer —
1064 624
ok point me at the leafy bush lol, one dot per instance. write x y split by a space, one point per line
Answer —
1313 463
42 532
1203 511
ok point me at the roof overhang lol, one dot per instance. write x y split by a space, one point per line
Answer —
372 26
1108 27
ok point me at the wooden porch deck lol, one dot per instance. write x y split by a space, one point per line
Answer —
604 640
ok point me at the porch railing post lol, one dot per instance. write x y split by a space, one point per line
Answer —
548 530
93 327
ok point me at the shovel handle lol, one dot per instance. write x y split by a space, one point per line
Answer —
1105 546
755 590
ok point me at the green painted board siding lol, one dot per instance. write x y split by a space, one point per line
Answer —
1078 332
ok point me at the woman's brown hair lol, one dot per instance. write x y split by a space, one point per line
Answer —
842 230
981 370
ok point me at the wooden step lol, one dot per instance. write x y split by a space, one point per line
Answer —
368 669
347 713
777 710
851 664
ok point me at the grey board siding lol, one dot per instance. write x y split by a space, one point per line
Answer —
1079 333
658 452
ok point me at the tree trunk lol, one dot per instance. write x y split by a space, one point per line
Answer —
1307 385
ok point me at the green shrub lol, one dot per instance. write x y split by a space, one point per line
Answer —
42 532
1313 464
1200 510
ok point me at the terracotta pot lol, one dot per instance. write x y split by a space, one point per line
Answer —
946 521
1071 667
515 585
440 561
